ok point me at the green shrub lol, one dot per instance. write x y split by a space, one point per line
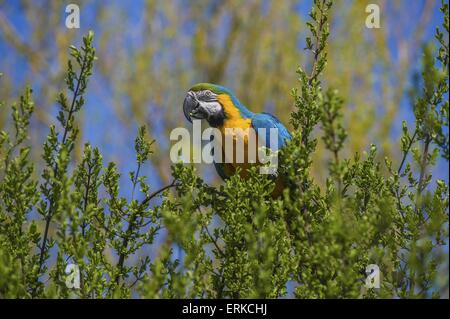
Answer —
235 240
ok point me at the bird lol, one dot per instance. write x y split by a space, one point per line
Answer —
221 109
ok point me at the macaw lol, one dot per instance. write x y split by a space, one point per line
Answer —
221 109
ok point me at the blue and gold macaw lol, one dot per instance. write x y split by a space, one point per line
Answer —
221 109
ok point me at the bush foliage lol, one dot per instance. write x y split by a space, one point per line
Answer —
189 239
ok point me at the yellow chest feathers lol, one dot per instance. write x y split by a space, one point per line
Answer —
235 129
233 118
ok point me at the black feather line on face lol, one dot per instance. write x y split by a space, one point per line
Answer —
216 120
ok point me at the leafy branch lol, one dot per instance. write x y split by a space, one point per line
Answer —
56 153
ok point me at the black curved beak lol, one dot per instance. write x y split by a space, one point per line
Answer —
190 103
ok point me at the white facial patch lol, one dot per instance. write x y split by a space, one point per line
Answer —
213 107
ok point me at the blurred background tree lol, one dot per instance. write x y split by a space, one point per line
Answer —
153 51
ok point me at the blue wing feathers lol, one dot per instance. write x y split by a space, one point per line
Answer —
268 121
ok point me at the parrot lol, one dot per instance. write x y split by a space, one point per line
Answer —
221 109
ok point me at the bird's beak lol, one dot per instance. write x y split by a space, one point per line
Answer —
189 104
191 107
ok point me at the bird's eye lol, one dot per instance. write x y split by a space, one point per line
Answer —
208 93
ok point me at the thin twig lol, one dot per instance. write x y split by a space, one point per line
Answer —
405 153
214 241
131 225
155 193
55 169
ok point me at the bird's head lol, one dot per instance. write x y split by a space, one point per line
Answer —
206 101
